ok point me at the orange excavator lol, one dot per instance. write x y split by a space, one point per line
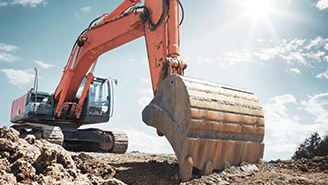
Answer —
210 126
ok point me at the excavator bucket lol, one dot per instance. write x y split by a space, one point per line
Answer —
209 126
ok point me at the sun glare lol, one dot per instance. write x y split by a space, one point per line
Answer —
258 16
259 8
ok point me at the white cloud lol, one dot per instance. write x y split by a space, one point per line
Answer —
294 44
6 57
284 132
277 104
243 56
144 101
76 15
326 46
297 56
7 48
130 57
322 4
144 80
315 42
295 70
19 77
145 91
86 9
147 96
323 74
144 60
143 142
297 50
44 65
318 106
32 3
316 56
261 40
280 125
4 3
292 51
205 60
267 53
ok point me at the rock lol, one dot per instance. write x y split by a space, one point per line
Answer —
9 133
113 181
32 161
4 165
58 172
4 154
7 178
7 145
249 168
23 170
304 168
30 139
52 153
25 150
91 166
84 155
224 183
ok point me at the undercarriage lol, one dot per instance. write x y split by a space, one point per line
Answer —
73 139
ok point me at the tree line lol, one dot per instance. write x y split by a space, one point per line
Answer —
312 146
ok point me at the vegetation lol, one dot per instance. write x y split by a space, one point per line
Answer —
312 146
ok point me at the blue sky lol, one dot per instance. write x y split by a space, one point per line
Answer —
276 49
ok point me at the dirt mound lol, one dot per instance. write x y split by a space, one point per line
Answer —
31 161
140 168
144 168
316 164
305 171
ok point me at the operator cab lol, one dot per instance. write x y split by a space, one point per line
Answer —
98 105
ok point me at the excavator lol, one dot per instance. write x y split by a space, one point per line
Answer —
209 126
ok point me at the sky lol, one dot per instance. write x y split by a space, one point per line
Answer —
276 49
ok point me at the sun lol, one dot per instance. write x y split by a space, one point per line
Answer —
259 8
258 18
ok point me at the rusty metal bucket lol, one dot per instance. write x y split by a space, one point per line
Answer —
209 126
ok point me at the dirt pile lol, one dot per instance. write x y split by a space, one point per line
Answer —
144 168
140 168
304 171
31 161
317 164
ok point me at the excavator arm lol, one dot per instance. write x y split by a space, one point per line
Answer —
123 25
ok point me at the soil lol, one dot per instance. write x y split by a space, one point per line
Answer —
145 168
31 161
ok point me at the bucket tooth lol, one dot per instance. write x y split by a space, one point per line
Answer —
209 126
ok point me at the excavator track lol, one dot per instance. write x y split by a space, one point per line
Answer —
91 140
210 126
53 134
120 142
95 139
